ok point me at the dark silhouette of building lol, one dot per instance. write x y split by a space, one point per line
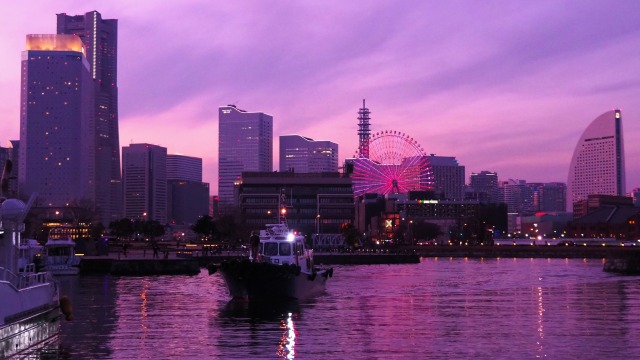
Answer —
315 202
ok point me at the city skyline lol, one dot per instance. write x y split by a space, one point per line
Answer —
484 83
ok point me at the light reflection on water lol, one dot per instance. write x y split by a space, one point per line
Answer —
440 308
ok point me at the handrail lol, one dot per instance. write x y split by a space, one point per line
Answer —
24 281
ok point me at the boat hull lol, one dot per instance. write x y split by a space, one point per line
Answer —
247 280
21 335
62 270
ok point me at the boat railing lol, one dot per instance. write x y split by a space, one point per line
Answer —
25 280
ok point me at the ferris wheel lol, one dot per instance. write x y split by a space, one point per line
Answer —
396 164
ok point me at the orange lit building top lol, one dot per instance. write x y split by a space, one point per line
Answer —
55 42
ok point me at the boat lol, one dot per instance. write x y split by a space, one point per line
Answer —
59 257
29 252
30 310
282 268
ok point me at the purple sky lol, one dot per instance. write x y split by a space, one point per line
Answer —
505 86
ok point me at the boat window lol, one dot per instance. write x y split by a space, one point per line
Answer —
281 238
271 249
59 251
285 248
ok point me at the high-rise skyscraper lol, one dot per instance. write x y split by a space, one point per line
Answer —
518 196
56 121
144 174
597 166
182 167
448 177
552 197
304 155
486 182
188 196
245 144
100 37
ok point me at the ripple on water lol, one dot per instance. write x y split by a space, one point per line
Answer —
440 308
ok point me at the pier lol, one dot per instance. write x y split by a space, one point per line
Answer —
188 259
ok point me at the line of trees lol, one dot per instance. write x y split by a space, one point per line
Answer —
126 228
223 229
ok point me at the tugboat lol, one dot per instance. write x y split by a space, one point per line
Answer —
280 267
30 303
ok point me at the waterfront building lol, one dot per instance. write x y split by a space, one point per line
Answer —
100 38
595 201
459 221
613 218
304 155
518 195
448 177
316 202
188 196
144 174
486 182
57 132
597 165
245 144
542 224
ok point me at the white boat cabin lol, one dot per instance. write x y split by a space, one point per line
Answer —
280 246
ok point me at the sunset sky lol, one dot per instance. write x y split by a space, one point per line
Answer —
504 86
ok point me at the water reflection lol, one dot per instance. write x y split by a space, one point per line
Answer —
445 308
267 323
260 310
286 349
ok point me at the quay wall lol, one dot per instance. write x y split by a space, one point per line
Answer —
139 267
624 260
527 251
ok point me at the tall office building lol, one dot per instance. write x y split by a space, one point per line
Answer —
144 174
56 121
518 196
188 196
486 182
304 155
448 177
552 197
100 37
597 166
182 167
245 144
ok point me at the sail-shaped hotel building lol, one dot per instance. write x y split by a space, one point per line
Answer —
597 166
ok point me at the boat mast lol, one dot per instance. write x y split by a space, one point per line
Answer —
282 208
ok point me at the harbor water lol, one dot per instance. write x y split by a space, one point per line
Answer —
441 308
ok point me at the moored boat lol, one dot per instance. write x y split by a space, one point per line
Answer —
30 312
59 257
282 268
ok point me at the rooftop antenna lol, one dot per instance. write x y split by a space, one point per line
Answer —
363 131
